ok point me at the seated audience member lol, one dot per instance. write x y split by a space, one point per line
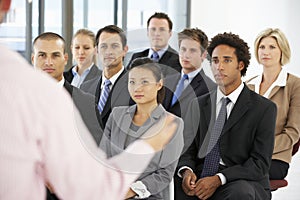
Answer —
231 154
159 32
49 55
84 54
272 51
110 89
128 123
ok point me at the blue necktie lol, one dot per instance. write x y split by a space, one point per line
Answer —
179 89
155 56
104 95
212 159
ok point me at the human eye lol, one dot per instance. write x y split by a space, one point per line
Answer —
145 82
272 47
131 82
261 47
41 55
103 46
215 61
115 46
56 55
152 29
76 47
162 29
227 60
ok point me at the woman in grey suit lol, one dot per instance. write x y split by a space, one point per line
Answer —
272 51
129 123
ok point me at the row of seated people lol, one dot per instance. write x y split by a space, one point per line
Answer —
165 83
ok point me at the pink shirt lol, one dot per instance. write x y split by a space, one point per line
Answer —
42 141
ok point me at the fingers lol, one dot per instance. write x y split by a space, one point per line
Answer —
188 183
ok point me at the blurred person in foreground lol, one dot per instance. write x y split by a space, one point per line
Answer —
34 137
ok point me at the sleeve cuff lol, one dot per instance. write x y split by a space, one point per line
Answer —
140 189
222 178
182 168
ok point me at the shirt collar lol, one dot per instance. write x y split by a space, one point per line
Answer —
61 82
114 78
192 74
160 52
233 96
280 81
74 70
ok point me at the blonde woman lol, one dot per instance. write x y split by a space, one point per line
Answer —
272 51
83 49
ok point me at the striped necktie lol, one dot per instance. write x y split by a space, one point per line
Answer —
104 95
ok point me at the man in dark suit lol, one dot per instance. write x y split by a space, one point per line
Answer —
159 31
111 48
192 52
235 163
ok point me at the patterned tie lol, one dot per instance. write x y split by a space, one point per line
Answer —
179 89
212 159
155 56
104 95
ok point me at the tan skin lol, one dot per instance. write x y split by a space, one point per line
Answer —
269 55
227 72
111 53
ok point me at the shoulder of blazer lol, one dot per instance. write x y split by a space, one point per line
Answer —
68 87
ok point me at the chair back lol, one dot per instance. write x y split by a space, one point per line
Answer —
296 147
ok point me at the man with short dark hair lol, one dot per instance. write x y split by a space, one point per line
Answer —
159 32
234 132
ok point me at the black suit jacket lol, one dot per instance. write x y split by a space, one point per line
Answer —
118 96
169 61
85 104
200 85
93 73
247 139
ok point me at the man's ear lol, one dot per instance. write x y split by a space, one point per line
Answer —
5 5
241 65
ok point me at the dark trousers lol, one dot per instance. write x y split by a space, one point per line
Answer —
278 170
235 190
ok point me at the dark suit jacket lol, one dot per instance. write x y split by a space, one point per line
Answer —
200 85
93 73
169 61
118 96
247 139
85 103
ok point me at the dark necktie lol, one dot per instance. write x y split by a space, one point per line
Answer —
104 95
212 159
155 56
179 88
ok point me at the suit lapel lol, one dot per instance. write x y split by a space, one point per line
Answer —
274 91
240 108
119 86
192 87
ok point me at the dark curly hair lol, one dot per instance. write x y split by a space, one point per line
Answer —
147 63
230 39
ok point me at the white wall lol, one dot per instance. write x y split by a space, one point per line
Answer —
247 19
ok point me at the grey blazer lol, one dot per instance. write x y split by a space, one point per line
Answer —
93 73
158 175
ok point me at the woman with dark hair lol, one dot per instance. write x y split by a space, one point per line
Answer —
129 123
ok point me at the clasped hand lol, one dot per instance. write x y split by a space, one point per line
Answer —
203 188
